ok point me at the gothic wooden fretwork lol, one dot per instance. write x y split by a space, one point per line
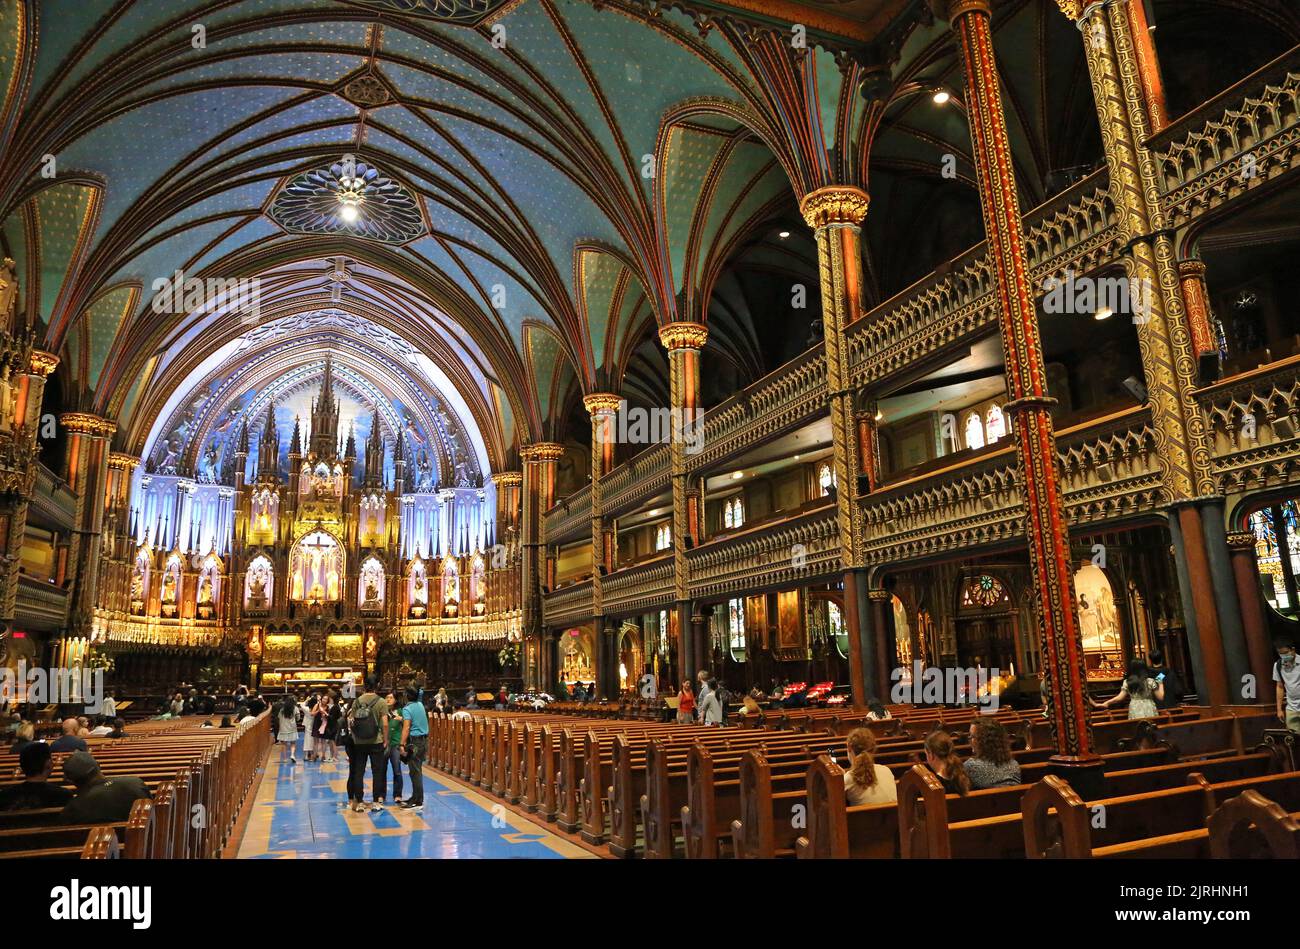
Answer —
1109 473
571 604
800 549
1253 421
641 588
1246 138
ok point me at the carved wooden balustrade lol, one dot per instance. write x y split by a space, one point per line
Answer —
1110 471
1253 420
1241 139
571 604
637 480
571 518
640 588
1075 231
798 549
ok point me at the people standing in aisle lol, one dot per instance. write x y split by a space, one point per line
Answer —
1167 677
710 707
393 752
367 731
415 741
1286 673
1140 690
287 732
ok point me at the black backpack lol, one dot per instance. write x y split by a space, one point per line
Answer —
365 726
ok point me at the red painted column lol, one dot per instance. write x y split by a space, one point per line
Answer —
1045 526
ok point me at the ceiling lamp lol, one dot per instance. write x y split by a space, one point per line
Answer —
737 475
1103 313
783 234
941 96
351 193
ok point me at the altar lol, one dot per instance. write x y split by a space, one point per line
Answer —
311 677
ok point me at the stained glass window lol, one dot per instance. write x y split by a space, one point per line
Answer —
663 537
736 628
733 514
974 431
995 424
983 591
825 479
835 627
1270 549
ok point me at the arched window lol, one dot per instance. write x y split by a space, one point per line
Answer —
736 628
663 633
371 588
1277 538
995 423
663 536
825 479
733 513
835 627
974 431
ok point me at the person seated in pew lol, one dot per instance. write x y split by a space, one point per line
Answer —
866 782
99 800
992 765
119 729
69 740
83 726
876 711
207 723
749 706
225 722
941 758
24 736
37 764
102 730
1140 690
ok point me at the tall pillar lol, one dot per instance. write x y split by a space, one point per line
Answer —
603 408
835 214
1245 570
538 495
1129 101
701 618
87 475
683 341
1045 527
879 602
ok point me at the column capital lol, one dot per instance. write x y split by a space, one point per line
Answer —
951 9
597 403
1191 267
879 596
507 479
542 451
42 363
683 335
84 423
1241 540
834 204
120 459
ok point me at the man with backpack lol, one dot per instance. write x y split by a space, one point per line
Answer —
367 725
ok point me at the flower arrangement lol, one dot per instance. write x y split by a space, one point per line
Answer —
509 655
96 659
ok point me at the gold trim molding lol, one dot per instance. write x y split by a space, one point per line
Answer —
834 205
508 479
120 459
601 402
542 451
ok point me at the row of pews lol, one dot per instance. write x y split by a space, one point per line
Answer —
199 778
1180 785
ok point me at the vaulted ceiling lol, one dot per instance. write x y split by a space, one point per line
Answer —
545 181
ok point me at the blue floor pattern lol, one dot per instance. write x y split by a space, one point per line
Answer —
297 814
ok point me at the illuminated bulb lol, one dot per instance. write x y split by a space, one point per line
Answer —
348 212
783 235
880 416
941 96
737 475
1104 313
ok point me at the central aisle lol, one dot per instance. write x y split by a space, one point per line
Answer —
297 814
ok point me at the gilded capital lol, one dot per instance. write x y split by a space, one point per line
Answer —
542 451
1191 267
683 335
834 205
602 402
1241 540
120 459
950 10
43 363
507 479
1072 8
83 423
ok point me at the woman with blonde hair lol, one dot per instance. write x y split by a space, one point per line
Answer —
866 782
941 758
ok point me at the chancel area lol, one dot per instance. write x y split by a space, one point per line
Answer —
786 429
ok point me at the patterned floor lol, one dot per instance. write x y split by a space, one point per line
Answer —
297 814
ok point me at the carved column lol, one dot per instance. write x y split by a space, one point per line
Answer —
683 341
1196 299
603 408
869 446
835 215
880 601
1045 527
1245 570
88 438
1166 336
538 497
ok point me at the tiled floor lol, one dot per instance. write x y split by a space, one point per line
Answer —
297 814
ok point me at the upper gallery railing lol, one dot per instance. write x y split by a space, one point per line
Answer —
1253 419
